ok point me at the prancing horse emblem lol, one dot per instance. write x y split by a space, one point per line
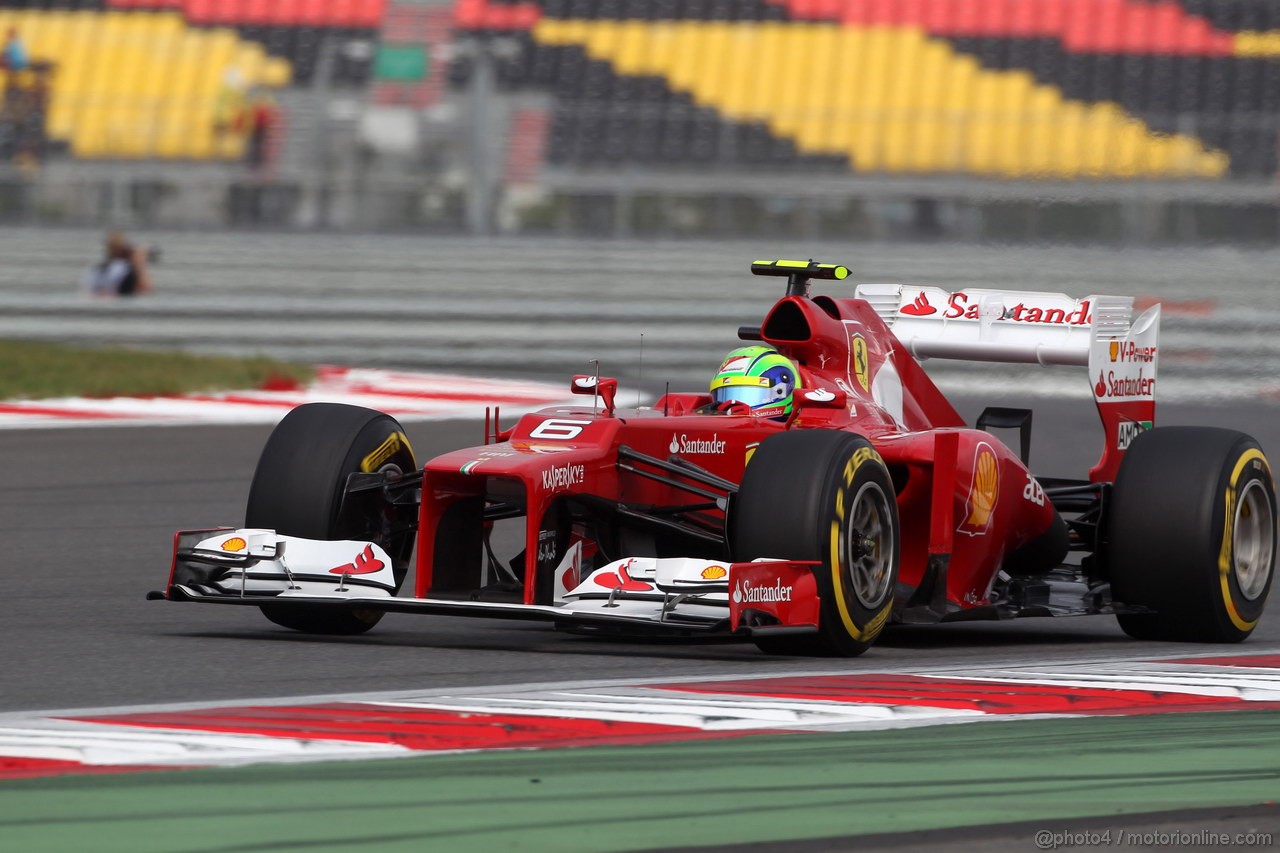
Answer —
861 364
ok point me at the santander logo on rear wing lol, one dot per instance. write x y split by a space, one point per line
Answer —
1098 332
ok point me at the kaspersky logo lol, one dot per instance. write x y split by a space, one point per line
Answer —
554 479
696 446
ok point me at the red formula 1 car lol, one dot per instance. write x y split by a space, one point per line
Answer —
869 502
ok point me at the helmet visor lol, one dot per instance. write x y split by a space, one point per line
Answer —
754 396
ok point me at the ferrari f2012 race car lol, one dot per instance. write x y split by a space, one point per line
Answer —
865 501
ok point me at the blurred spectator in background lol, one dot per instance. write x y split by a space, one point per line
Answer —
25 86
260 120
230 103
14 55
122 272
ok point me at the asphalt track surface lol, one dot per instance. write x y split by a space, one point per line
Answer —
87 516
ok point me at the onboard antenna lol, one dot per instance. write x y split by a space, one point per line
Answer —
595 395
665 395
640 371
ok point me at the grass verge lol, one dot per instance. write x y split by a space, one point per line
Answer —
31 370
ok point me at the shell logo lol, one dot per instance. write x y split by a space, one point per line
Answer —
714 573
235 543
1114 350
984 491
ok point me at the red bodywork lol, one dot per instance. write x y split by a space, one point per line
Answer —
961 492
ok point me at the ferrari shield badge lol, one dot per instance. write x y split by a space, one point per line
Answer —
861 363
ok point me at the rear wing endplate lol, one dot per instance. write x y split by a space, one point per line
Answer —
1014 327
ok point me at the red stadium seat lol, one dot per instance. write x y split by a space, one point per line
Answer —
1053 17
1194 38
994 16
1166 20
940 16
283 12
1077 34
968 17
312 12
341 13
524 16
1107 27
1138 30
200 11
828 10
469 14
882 12
1024 19
371 13
912 12
806 10
259 11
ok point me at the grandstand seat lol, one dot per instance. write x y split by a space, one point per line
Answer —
1011 88
139 83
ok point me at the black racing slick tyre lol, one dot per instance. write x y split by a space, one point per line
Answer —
298 490
824 496
1191 531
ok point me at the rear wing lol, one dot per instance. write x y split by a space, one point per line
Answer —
1012 327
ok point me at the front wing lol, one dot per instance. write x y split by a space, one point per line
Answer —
257 567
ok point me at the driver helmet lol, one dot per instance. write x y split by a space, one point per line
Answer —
758 377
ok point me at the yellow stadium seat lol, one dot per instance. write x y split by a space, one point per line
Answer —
714 61
741 60
603 39
632 46
886 97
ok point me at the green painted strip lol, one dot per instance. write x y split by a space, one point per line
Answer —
707 792
401 63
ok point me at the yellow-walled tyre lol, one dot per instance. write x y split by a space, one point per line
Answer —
298 490
824 496
1191 535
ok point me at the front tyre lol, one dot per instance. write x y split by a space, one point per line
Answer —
1192 529
299 487
824 496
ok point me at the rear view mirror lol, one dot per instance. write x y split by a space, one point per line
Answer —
606 388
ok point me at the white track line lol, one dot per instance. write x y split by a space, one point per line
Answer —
48 735
408 396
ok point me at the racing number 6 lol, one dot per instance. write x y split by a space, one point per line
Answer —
559 429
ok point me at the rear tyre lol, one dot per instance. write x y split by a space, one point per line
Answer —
298 490
824 496
1192 535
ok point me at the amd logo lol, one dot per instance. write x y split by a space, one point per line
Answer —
1128 431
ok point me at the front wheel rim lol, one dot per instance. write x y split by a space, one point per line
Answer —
869 546
1253 540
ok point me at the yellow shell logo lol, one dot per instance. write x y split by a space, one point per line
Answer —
714 573
235 543
1115 350
983 491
